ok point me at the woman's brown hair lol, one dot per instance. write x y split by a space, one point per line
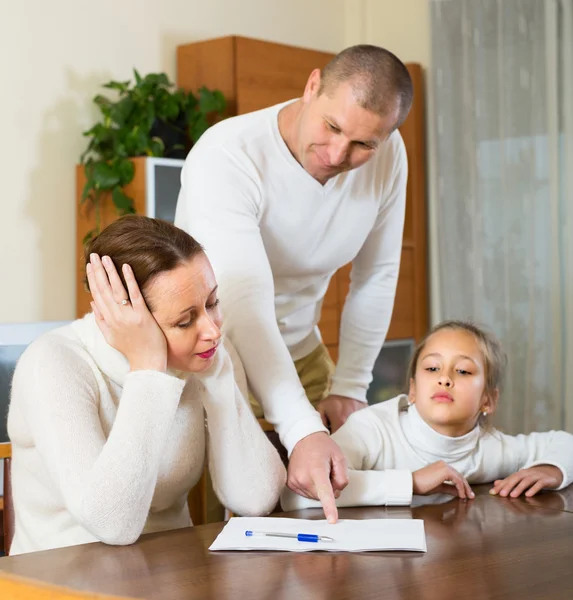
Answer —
148 246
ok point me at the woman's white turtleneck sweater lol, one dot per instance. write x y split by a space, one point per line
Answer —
385 443
100 453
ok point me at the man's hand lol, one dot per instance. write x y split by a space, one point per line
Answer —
334 410
530 481
317 469
432 480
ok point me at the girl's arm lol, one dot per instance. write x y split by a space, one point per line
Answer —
530 463
247 472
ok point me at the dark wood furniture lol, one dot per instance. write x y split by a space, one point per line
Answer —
6 504
485 548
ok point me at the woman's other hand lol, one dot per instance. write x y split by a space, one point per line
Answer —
123 317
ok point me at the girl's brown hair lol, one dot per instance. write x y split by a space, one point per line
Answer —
494 357
148 246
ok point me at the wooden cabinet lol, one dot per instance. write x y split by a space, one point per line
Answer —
252 74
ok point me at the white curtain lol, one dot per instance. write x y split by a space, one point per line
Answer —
502 94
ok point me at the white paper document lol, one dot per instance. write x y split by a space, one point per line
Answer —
348 535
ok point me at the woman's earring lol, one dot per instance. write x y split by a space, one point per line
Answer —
484 413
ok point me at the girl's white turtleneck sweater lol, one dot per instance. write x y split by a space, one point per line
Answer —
100 453
385 443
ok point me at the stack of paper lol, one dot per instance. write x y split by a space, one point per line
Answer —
348 535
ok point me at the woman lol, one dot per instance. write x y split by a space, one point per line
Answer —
107 415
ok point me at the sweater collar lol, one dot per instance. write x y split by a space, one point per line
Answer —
432 445
112 363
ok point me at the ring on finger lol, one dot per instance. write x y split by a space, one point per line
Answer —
124 302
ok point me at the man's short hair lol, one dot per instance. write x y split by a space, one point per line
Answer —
380 80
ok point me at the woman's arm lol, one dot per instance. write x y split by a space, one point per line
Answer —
247 472
106 482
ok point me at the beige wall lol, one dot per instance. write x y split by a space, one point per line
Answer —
53 57
403 27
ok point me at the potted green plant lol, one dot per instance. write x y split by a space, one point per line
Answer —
148 117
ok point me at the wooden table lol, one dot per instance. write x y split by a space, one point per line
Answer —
486 548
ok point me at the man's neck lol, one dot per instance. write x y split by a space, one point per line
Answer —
288 120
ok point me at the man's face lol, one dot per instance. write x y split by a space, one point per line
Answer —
335 133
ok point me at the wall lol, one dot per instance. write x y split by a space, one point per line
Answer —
403 27
53 58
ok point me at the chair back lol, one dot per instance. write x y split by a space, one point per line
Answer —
8 517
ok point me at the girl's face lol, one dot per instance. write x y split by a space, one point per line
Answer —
449 384
186 307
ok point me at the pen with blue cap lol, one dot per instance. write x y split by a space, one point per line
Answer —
301 537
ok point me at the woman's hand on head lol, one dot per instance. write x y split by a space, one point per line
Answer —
123 317
528 481
440 478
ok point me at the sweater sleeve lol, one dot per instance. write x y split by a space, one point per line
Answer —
512 453
374 275
363 443
219 204
246 469
108 483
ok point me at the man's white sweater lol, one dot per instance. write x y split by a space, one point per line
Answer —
385 443
104 454
275 236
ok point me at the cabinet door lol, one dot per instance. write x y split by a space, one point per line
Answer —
269 73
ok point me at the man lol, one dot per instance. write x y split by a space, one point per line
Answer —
280 199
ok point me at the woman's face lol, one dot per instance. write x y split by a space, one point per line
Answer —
186 307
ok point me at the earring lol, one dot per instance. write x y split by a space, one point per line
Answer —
484 413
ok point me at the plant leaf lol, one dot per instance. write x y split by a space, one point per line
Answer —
156 146
121 111
120 86
105 177
126 170
122 202
211 101
198 127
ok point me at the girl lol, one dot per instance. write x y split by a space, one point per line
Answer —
109 415
439 438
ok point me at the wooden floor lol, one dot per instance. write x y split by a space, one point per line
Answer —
485 548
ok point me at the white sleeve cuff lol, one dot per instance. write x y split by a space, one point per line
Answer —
348 389
566 481
301 429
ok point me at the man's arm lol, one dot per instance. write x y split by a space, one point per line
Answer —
219 204
368 306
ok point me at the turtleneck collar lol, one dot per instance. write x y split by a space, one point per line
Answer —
431 445
110 361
